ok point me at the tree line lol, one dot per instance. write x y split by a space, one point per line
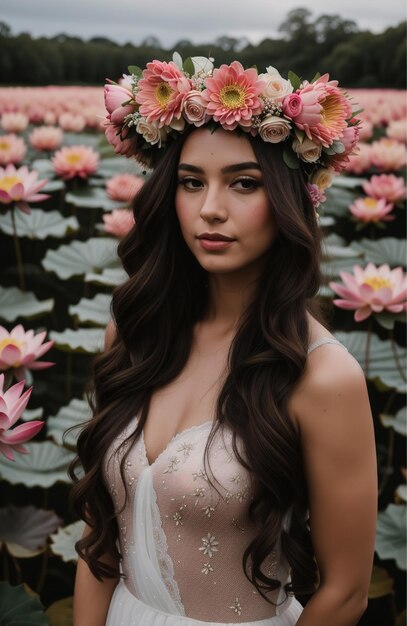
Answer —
328 43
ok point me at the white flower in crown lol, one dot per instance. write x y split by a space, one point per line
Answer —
274 129
277 87
151 133
306 149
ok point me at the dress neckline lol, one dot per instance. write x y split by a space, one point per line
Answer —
171 441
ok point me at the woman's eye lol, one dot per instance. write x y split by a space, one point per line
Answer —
247 184
190 183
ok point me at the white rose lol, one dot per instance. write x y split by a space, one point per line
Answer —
151 133
277 88
307 150
194 108
274 129
323 177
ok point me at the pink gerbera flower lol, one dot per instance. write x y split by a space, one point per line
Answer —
72 161
161 92
372 290
324 111
232 95
12 405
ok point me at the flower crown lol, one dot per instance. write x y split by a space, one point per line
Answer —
314 119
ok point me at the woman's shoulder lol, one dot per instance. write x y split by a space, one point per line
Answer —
331 373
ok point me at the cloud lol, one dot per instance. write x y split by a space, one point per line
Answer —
134 20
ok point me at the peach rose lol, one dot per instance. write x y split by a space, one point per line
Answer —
194 108
274 129
307 150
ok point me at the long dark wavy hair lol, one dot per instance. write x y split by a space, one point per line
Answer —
154 312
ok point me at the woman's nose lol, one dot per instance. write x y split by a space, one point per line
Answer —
214 206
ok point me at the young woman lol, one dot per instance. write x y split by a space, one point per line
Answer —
230 462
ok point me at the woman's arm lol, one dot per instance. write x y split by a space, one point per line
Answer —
333 414
91 597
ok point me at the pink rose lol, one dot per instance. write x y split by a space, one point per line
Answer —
115 96
292 105
120 146
194 108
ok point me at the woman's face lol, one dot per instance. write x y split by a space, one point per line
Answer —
221 195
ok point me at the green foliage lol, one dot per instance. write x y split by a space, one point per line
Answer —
356 59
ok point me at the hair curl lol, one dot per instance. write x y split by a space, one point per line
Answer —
154 312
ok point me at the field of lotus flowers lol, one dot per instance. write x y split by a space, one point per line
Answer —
64 203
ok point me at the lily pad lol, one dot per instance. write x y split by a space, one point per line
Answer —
92 198
398 421
339 259
387 319
95 310
386 250
382 366
39 224
109 277
326 220
401 493
74 414
60 613
25 530
44 167
52 186
348 182
18 608
85 340
338 200
15 303
81 257
63 542
43 466
119 165
390 534
32 414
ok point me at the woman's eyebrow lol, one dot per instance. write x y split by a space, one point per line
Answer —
236 167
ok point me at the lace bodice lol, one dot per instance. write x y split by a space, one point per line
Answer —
199 534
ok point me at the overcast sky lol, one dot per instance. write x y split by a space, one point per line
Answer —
172 20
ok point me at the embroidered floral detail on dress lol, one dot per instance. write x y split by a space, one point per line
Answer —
198 493
208 510
236 478
235 523
236 607
209 544
172 466
272 569
207 567
177 517
186 448
200 474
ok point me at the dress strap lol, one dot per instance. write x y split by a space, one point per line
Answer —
323 340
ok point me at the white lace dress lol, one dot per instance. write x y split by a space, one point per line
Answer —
182 542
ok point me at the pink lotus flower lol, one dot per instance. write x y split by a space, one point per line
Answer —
397 129
232 95
123 187
365 130
117 99
161 92
372 290
20 350
12 149
20 186
361 161
46 138
372 210
50 118
324 112
119 222
388 154
73 161
387 186
12 405
14 122
71 122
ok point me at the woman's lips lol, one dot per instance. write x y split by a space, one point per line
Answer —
214 244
